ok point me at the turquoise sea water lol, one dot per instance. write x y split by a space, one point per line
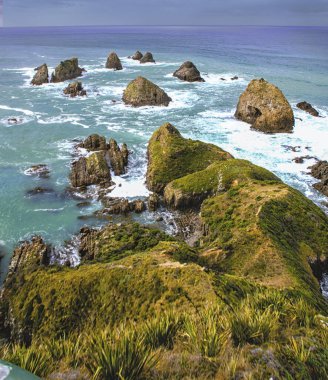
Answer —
295 59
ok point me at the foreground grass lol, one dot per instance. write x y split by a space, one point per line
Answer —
262 336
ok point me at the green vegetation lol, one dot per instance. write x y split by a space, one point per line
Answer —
171 156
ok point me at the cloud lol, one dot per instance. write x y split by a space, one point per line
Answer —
166 12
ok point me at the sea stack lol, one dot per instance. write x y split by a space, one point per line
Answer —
265 107
41 76
143 92
66 70
137 55
188 72
147 58
113 62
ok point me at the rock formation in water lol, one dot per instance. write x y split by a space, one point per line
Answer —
113 62
265 107
188 72
75 89
307 107
67 70
118 157
320 171
94 142
137 55
41 76
142 92
147 58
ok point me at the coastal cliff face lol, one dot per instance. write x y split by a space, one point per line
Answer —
243 297
265 107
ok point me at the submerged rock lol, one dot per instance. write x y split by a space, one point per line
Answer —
41 76
137 55
40 170
265 107
118 157
91 170
171 156
320 171
66 70
188 72
148 57
94 142
39 190
113 62
142 92
307 107
75 89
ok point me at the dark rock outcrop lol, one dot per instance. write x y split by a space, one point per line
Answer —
75 89
153 202
113 62
265 107
307 107
118 157
66 70
148 57
320 171
188 72
137 55
90 170
41 76
94 142
142 92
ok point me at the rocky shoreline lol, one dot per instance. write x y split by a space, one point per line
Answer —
244 268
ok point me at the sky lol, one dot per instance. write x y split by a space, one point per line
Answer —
163 12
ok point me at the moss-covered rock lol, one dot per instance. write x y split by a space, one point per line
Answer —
66 70
94 142
188 72
142 92
171 156
191 190
268 233
90 170
265 107
41 76
113 62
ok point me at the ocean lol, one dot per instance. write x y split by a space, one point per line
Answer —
293 58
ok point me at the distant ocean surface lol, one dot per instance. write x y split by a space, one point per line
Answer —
295 59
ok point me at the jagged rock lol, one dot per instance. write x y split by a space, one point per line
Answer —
29 255
40 170
115 206
265 107
171 156
66 70
137 55
94 142
14 120
234 78
153 202
90 170
320 171
142 92
41 76
113 62
148 57
118 157
188 72
307 107
75 89
137 206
